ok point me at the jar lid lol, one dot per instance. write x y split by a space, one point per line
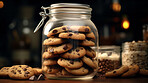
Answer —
109 48
76 5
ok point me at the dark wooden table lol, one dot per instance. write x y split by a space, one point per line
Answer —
96 80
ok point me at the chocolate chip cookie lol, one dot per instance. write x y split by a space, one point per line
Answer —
79 28
143 72
57 30
53 41
71 64
79 71
117 72
37 71
90 35
90 52
133 69
20 72
90 62
4 71
47 55
86 43
50 61
59 49
74 53
51 69
72 35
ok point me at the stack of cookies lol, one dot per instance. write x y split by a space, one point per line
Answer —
67 51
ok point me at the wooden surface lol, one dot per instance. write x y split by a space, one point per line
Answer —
96 80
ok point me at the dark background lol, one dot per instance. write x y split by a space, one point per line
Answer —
18 47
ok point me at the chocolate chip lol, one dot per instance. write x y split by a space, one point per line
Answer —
77 50
54 31
78 54
13 72
20 66
24 69
19 71
49 70
72 62
64 28
33 78
27 72
61 59
86 30
81 48
70 34
114 71
51 50
25 75
65 47
41 77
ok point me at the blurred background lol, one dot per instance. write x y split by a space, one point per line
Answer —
117 21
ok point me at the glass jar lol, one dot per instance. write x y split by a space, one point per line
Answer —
108 58
145 32
67 39
135 53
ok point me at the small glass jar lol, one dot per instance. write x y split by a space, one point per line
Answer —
135 53
145 32
67 39
108 58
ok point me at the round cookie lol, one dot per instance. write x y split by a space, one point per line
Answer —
20 72
37 71
80 71
52 69
4 71
70 63
90 35
51 61
86 43
117 72
59 49
48 55
143 72
71 35
79 28
75 53
57 30
64 72
90 52
131 72
90 62
53 41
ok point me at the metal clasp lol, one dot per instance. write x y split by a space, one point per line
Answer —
44 16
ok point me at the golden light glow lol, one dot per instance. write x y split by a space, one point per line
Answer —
1 4
125 24
116 7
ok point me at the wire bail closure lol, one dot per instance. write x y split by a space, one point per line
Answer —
44 16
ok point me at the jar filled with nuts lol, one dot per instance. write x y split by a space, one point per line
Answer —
135 53
108 58
67 42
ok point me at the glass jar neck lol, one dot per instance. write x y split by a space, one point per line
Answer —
70 16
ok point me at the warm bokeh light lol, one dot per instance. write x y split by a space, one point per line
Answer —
116 7
1 4
125 24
